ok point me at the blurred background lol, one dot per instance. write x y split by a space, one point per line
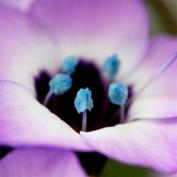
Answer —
163 20
163 16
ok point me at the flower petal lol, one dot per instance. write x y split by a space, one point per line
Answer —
24 121
96 28
20 4
147 143
39 162
25 47
159 99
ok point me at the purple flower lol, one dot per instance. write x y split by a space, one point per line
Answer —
33 44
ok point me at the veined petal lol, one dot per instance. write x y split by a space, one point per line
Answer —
97 28
159 99
146 143
24 121
40 162
25 47
20 4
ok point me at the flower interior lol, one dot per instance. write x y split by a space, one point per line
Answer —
86 75
103 114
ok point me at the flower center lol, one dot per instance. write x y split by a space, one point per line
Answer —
111 101
86 75
103 113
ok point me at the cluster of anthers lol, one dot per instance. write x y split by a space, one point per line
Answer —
117 91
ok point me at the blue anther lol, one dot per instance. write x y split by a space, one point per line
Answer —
60 84
111 66
69 65
118 93
83 100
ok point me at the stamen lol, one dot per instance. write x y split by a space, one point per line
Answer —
83 102
122 114
84 121
47 98
156 75
58 85
118 93
69 65
111 66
